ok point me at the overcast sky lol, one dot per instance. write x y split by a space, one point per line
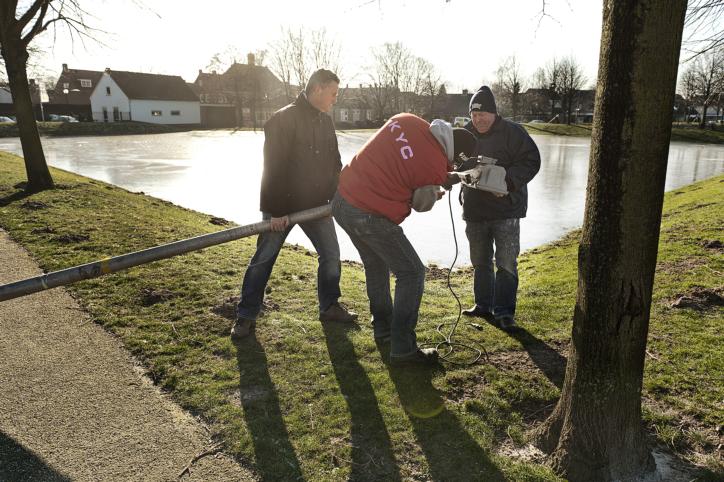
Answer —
465 39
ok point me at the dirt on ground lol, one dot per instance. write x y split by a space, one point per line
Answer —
75 406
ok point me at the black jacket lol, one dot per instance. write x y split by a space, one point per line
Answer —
301 159
514 149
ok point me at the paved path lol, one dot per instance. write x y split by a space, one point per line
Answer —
74 407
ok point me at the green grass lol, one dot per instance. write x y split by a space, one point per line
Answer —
317 401
679 133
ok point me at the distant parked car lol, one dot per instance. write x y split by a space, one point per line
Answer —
6 119
460 121
61 118
537 121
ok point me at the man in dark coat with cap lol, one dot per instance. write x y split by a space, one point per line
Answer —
492 219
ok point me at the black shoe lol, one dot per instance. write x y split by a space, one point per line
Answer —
242 328
507 323
423 356
477 312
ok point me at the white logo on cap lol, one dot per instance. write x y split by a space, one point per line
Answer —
476 106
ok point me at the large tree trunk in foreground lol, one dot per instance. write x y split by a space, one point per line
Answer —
15 55
595 432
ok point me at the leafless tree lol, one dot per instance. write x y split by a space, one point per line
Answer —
19 26
393 65
509 85
703 28
299 52
703 80
571 80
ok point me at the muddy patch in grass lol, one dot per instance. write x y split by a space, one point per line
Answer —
43 230
71 238
227 308
700 299
713 244
152 296
34 205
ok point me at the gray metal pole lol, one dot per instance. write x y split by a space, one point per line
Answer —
117 263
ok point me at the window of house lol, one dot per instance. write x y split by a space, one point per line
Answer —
108 91
116 114
85 83
355 114
156 113
66 85
175 112
343 115
105 114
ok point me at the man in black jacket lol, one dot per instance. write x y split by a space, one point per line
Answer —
301 170
494 219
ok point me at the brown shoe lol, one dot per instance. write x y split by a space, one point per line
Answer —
338 314
242 328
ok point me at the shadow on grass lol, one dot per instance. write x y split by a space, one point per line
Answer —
275 457
16 196
19 463
451 452
547 359
372 456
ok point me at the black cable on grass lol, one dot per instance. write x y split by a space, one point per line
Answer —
447 339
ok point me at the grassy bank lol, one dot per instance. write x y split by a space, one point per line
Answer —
678 133
58 129
303 399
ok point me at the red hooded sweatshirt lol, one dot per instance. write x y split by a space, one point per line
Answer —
399 158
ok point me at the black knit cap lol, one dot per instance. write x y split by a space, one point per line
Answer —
463 142
483 100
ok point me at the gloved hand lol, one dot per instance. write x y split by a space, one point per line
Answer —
423 198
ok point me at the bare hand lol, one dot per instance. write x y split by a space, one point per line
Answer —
279 224
440 194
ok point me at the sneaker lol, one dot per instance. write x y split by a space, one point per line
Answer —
507 323
242 328
337 313
423 356
477 312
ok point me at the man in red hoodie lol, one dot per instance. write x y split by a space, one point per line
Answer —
399 168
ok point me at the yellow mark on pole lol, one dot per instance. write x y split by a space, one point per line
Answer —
105 266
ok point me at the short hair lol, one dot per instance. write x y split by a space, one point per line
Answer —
320 78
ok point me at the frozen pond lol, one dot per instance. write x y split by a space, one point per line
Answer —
218 172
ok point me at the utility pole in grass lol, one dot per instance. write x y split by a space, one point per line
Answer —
595 432
19 26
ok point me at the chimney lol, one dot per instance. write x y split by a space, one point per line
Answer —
65 68
465 91
108 70
213 72
200 72
250 59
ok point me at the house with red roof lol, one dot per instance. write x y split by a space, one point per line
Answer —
136 96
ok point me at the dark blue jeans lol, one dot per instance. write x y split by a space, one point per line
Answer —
384 248
495 290
324 238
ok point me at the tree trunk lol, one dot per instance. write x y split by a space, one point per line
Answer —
39 177
595 432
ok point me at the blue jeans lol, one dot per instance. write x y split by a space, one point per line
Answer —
324 238
384 248
495 291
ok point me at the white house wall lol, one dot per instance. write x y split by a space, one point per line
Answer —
189 111
100 98
5 97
